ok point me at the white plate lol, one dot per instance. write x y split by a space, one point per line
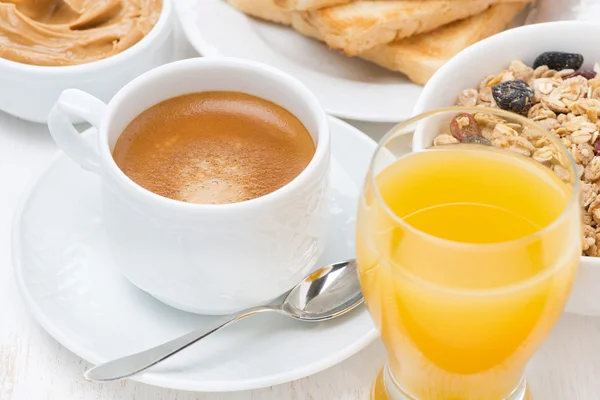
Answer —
67 278
347 87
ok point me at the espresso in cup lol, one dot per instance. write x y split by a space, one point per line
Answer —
186 124
214 148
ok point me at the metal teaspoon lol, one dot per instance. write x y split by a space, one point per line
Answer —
325 294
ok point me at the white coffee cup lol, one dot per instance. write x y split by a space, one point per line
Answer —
208 259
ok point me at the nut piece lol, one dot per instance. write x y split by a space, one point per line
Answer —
516 96
464 125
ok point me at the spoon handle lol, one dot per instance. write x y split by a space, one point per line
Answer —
135 363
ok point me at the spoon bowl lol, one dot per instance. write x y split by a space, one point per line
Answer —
325 294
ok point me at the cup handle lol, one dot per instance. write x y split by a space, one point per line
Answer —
74 102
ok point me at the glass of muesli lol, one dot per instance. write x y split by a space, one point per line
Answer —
467 253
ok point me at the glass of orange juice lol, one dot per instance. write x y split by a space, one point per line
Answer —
467 252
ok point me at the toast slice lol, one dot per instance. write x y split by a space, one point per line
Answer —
269 11
361 25
421 56
307 5
301 24
263 9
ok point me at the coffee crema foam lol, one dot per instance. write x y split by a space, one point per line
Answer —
214 148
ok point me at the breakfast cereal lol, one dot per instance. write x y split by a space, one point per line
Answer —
563 100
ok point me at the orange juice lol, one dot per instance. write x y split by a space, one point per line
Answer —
466 268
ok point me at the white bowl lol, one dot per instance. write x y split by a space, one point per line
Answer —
29 91
490 56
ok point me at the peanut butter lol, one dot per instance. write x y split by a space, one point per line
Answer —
70 32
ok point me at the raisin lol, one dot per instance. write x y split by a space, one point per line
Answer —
558 60
586 73
463 126
476 140
597 146
515 96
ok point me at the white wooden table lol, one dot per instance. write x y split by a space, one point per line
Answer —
34 366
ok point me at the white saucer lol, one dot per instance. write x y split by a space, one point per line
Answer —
67 278
347 87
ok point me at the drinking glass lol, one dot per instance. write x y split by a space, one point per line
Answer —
467 252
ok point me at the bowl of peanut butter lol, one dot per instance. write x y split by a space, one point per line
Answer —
98 46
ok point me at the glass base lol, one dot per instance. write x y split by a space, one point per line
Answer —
385 388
